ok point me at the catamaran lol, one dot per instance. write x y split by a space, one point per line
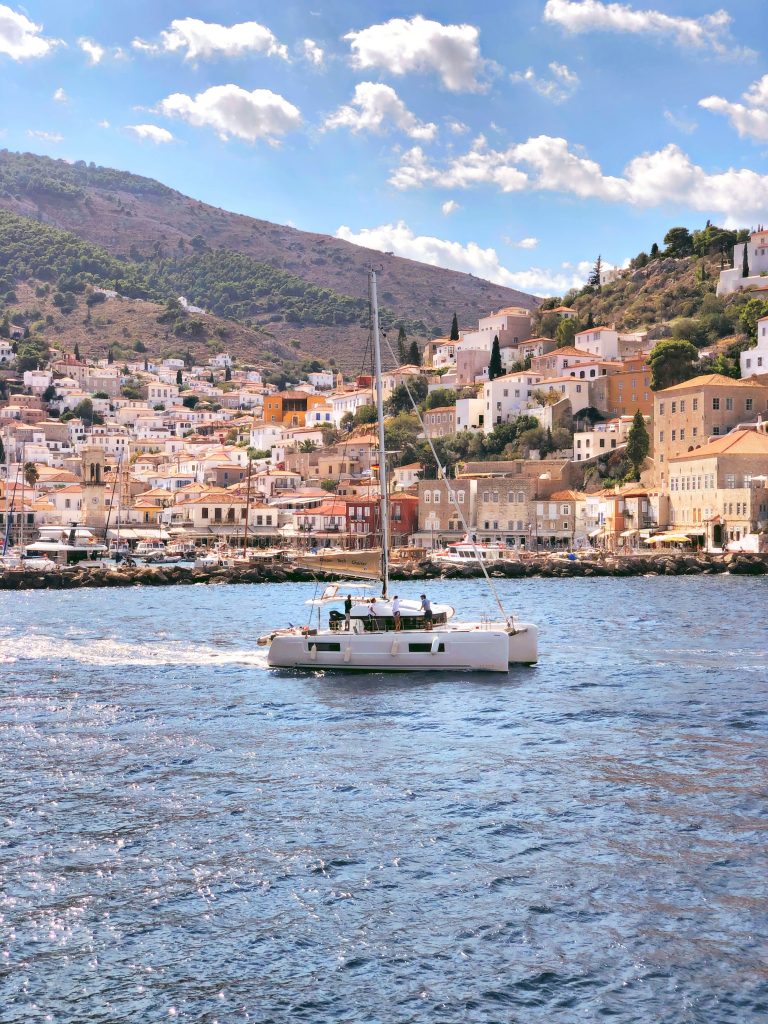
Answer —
424 636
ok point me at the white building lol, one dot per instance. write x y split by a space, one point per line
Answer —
505 398
6 352
755 360
470 413
733 280
601 439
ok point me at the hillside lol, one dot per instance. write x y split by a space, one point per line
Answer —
137 220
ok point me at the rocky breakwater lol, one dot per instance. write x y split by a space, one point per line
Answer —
556 566
546 566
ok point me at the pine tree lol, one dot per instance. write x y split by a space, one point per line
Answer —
414 355
745 261
655 251
495 369
402 346
455 328
594 277
638 443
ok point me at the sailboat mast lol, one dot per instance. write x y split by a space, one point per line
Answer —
384 503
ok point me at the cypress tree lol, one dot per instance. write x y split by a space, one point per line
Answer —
402 346
638 443
495 369
455 328
745 261
110 356
77 352
414 355
179 378
2 450
590 322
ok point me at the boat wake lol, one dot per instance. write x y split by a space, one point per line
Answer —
106 651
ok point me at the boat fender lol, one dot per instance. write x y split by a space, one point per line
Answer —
347 653
395 649
313 652
435 645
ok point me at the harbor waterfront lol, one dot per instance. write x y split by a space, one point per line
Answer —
547 566
190 836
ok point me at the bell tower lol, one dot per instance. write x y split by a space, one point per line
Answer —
95 490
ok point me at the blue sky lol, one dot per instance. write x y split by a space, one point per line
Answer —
514 140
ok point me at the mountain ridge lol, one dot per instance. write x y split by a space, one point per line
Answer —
135 218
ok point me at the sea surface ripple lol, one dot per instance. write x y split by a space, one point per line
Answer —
188 836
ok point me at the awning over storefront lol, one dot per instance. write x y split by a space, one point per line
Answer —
669 538
596 533
137 533
629 533
695 533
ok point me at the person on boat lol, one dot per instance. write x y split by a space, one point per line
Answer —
347 612
374 622
396 612
427 609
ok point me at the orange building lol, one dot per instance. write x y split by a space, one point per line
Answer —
290 407
629 389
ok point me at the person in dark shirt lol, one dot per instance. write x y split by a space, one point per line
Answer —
347 612
427 609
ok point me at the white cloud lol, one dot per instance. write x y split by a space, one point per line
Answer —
373 108
313 53
450 206
683 124
561 86
60 96
457 127
469 259
104 124
150 133
544 163
710 32
20 38
44 136
232 111
202 40
400 46
523 243
749 118
91 49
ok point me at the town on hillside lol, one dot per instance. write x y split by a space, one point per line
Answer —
530 431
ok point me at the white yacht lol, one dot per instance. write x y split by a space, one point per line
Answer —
64 546
370 640
466 551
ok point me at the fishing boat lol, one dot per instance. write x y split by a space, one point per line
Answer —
368 639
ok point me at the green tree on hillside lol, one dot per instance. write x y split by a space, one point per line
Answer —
455 328
31 474
179 378
678 243
672 361
753 311
566 331
414 354
439 398
495 369
745 261
638 443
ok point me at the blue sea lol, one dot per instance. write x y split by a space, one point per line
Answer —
190 836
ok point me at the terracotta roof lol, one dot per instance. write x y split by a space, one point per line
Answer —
709 380
738 442
566 496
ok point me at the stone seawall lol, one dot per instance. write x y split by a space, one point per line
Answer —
544 566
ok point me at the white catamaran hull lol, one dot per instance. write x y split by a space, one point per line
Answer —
439 650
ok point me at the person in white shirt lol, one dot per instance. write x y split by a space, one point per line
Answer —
396 611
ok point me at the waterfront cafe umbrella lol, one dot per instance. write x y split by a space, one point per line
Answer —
669 538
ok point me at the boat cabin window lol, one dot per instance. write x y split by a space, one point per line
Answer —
325 646
424 648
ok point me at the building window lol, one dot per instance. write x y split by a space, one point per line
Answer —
205 513
715 403
437 498
729 404
748 404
